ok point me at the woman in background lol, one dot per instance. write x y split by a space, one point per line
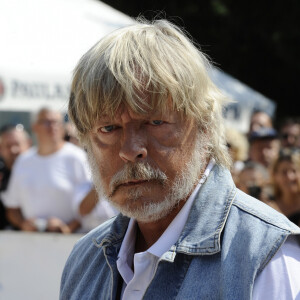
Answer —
285 176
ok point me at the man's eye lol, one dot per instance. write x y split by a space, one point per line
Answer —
156 122
107 129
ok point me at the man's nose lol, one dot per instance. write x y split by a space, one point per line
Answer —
133 146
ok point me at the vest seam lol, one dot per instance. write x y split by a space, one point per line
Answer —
181 286
105 240
226 213
262 217
269 258
111 272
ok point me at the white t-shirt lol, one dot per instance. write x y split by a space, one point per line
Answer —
45 186
280 279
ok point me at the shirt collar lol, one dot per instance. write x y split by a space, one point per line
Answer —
127 246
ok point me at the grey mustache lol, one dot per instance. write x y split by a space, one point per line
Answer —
136 171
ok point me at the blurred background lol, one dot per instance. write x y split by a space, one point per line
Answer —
257 42
253 44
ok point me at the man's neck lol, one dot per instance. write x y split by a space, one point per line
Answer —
148 233
48 149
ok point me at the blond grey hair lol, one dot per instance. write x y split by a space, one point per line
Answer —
148 66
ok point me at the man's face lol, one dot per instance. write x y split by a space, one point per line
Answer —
138 160
49 127
290 136
287 177
250 178
13 143
264 151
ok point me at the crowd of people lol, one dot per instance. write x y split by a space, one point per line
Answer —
266 162
47 186
50 188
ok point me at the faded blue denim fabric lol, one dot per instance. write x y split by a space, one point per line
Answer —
227 241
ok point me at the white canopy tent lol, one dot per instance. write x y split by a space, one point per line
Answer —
42 40
237 114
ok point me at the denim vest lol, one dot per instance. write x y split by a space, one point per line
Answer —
227 241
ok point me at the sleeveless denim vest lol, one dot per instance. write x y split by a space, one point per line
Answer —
227 241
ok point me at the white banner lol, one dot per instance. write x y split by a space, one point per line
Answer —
31 264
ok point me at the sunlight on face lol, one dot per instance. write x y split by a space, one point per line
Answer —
146 164
287 177
151 211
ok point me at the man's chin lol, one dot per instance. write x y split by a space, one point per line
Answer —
144 210
135 195
138 202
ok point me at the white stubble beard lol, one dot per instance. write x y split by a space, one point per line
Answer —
181 188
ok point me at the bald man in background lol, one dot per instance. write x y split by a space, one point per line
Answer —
45 179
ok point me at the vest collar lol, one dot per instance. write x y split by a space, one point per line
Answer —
207 218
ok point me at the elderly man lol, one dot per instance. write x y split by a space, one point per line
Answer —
14 140
150 119
43 185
